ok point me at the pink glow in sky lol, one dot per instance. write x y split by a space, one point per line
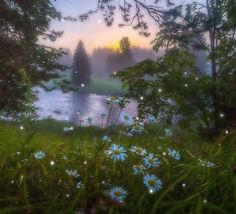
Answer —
94 32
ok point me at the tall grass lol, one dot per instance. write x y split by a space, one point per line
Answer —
189 185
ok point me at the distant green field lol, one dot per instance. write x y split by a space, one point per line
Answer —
98 84
104 85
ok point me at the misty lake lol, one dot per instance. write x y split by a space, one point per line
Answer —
75 107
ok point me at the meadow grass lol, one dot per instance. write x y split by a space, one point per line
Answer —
98 85
104 85
202 179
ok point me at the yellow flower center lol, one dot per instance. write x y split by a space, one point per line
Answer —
139 150
151 161
117 194
152 182
117 152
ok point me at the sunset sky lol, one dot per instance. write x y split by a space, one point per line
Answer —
94 32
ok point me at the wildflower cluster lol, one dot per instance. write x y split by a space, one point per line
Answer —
137 128
120 101
149 161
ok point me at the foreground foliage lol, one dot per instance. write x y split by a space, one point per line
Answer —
195 78
46 169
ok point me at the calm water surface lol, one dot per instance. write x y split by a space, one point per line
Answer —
76 107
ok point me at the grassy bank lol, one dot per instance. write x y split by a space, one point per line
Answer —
98 85
77 172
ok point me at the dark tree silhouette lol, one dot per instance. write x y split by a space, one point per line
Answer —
123 59
126 56
23 61
81 68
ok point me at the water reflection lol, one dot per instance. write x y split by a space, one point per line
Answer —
76 107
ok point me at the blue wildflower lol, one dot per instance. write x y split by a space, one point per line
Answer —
168 132
126 119
117 152
118 194
129 134
151 119
39 155
138 150
138 169
151 161
206 163
78 185
137 128
106 139
112 100
73 173
152 183
68 129
174 154
210 164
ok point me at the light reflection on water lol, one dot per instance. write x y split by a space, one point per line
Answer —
75 107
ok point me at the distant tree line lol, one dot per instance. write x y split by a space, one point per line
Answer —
105 61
